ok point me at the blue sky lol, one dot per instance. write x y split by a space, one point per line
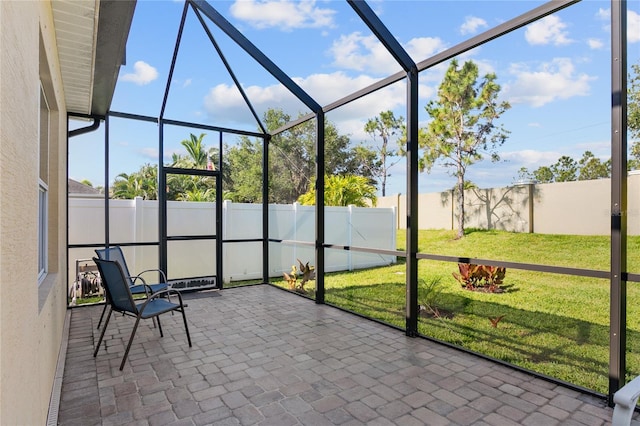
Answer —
555 73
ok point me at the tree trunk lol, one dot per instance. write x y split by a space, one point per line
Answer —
384 185
460 199
383 153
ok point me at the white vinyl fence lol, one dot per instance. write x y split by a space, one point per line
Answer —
136 221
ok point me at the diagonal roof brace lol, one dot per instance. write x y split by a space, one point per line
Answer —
173 61
382 32
506 27
256 54
229 70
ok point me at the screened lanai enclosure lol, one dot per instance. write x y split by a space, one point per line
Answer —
212 199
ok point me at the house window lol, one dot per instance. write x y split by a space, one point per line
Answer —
43 188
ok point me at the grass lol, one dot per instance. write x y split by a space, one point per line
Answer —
557 325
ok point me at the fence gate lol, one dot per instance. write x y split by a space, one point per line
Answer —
188 271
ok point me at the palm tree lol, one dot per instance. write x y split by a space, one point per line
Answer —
125 186
198 194
198 157
344 190
143 183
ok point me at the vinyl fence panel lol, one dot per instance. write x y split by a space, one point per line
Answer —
136 221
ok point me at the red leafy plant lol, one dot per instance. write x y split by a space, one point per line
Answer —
481 277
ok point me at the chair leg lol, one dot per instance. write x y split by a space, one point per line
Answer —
126 352
186 327
106 323
106 305
159 325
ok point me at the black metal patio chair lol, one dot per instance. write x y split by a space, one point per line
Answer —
115 253
120 298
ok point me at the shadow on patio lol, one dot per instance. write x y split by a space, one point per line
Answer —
263 356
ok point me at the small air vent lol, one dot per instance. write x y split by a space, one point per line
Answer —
193 283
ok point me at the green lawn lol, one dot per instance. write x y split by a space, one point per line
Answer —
553 324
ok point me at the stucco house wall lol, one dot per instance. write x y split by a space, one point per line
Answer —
32 313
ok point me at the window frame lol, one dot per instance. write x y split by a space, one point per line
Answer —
44 133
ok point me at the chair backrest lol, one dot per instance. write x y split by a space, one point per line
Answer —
115 253
117 285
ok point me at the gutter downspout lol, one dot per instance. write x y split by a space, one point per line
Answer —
56 392
88 129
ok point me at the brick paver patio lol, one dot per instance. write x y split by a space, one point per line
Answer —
263 356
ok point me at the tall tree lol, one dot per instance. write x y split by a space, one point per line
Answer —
634 161
462 130
633 116
195 188
592 167
386 126
633 102
292 159
565 169
197 156
144 182
245 164
543 174
364 161
524 176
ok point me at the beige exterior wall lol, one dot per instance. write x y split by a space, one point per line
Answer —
32 315
633 203
437 213
506 209
580 208
574 208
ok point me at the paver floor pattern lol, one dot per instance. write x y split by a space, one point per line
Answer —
262 356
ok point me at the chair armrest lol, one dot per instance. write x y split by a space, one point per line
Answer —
164 276
148 290
625 400
168 292
136 278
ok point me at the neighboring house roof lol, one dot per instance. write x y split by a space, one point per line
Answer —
78 188
91 37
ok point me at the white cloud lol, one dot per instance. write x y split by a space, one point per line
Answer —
149 152
143 73
283 14
422 48
633 23
633 27
357 52
186 83
227 106
601 149
604 14
472 25
548 30
365 53
552 81
595 43
324 88
531 158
